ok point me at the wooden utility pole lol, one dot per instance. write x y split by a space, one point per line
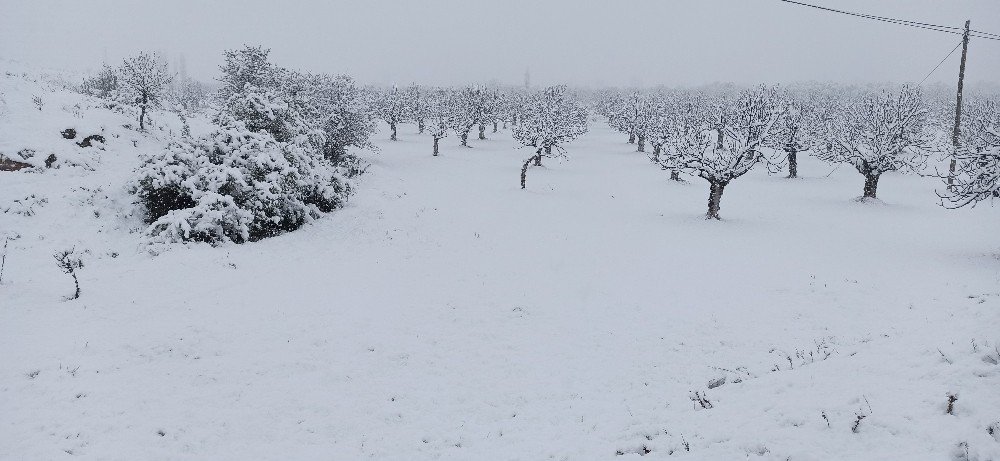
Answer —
958 106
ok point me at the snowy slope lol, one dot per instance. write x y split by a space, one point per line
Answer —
447 314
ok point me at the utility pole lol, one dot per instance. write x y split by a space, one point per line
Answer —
958 106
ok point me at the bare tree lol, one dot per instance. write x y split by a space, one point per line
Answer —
977 176
69 261
723 140
551 118
879 132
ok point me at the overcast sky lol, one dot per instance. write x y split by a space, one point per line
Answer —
617 42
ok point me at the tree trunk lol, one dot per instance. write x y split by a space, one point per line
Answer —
436 139
142 111
714 199
392 125
420 126
675 175
495 126
77 283
793 164
482 131
641 146
465 138
871 185
631 138
656 153
527 163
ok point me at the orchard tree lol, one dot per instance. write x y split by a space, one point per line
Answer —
724 139
621 112
463 114
977 172
484 107
550 118
879 132
673 119
393 107
143 82
793 132
419 100
439 112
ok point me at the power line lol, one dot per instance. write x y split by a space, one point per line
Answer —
942 62
903 22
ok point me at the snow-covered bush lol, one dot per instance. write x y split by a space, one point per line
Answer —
235 185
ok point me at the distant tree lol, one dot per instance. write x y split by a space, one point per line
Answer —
336 107
645 117
725 138
463 113
419 111
794 132
246 66
144 80
393 106
674 118
550 119
621 111
485 106
879 132
190 95
977 173
440 109
103 85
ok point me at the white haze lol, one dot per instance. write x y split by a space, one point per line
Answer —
643 42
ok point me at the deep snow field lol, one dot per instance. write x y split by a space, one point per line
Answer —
447 314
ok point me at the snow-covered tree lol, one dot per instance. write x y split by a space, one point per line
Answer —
621 111
550 119
189 94
440 109
977 172
645 115
879 132
393 106
419 110
484 103
674 118
143 80
463 114
723 140
794 133
246 66
103 85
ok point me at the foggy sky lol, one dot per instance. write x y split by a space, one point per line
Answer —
620 42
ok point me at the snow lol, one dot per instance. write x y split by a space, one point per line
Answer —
447 314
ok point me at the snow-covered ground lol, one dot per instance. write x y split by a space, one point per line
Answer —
447 314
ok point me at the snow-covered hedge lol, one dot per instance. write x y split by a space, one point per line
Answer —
235 185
